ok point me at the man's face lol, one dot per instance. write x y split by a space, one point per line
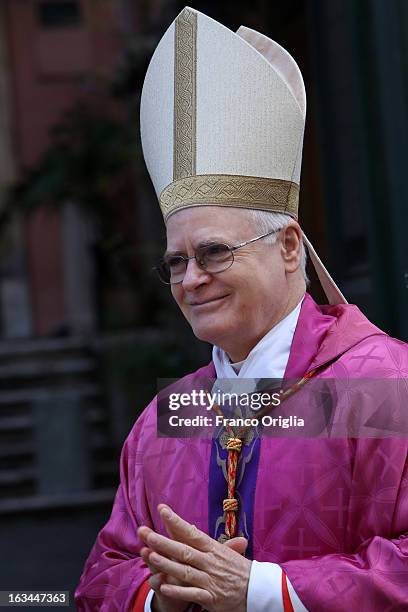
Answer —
235 308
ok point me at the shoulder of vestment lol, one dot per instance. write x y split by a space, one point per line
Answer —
376 356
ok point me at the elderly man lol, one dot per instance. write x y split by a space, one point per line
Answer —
244 522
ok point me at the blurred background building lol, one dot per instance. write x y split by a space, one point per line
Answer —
85 328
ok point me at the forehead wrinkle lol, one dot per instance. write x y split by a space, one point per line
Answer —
211 240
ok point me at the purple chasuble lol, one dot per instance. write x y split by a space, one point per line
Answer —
332 512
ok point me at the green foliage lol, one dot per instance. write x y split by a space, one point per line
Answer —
89 153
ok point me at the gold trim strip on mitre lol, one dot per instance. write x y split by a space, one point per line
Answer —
185 95
259 193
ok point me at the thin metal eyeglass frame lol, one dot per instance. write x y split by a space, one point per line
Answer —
231 248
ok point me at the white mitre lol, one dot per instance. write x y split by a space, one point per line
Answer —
222 120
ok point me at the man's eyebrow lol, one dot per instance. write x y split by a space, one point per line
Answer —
207 242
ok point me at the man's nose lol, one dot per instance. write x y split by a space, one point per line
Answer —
195 275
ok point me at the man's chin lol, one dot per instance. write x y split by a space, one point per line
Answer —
209 333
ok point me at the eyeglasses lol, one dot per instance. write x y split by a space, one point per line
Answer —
213 258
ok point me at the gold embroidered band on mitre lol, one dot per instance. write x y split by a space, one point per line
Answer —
185 94
258 193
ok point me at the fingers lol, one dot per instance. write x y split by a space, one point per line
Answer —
144 553
189 594
183 573
238 544
183 531
156 581
157 578
170 548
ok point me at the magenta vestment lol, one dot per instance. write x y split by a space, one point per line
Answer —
332 512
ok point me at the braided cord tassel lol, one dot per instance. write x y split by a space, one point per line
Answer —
234 447
230 505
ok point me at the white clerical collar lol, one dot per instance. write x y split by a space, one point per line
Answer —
267 359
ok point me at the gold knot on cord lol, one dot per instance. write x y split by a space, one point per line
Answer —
230 505
223 538
234 444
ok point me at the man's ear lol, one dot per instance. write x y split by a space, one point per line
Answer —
291 241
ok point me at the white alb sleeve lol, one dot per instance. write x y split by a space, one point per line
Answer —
265 589
148 602
147 607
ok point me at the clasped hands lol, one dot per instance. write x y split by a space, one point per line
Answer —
190 567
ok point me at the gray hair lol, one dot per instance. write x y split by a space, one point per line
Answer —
266 221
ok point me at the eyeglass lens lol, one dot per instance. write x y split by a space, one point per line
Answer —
213 257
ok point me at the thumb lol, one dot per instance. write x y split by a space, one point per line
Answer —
237 544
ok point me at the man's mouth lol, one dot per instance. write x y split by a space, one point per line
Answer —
210 301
